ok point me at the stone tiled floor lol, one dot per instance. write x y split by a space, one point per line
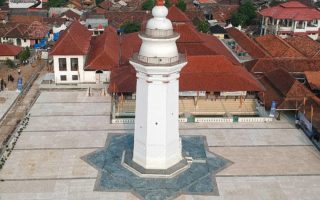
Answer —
270 160
10 97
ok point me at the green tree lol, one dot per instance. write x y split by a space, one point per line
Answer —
244 15
10 63
99 1
181 5
2 2
168 3
55 3
239 19
275 3
130 27
24 55
203 26
148 5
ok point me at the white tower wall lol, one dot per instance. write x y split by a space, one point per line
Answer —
157 142
156 136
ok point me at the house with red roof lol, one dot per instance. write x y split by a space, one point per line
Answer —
291 18
80 58
8 51
24 34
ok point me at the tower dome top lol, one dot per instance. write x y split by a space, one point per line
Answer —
159 20
160 2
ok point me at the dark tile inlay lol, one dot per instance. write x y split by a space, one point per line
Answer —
198 179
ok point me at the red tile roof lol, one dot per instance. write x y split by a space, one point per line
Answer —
130 43
218 47
222 13
177 15
36 30
284 89
277 47
190 42
104 51
122 79
3 14
291 10
4 28
314 103
70 15
25 19
75 40
313 79
105 4
304 44
247 43
117 18
17 31
9 50
187 33
293 65
216 73
202 73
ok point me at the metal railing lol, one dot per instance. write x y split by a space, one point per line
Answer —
158 60
159 32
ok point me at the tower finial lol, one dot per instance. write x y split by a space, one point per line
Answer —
160 2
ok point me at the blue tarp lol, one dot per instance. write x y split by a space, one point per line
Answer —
56 36
42 44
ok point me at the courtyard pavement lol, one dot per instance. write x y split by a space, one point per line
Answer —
9 98
270 160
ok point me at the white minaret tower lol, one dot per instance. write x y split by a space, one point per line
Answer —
156 136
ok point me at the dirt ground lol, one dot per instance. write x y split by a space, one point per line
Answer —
26 73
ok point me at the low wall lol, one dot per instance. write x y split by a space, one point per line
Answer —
205 120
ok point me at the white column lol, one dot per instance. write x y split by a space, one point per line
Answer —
156 142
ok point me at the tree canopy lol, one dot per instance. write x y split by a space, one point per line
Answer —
99 1
244 15
181 5
10 64
203 26
55 3
148 5
130 27
25 54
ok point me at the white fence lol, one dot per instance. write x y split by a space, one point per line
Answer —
230 120
255 119
205 120
213 119
131 120
123 121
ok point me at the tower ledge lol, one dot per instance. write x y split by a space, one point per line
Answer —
158 61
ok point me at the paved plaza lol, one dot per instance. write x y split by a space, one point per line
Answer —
269 160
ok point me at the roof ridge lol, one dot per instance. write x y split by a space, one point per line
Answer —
289 46
104 48
77 44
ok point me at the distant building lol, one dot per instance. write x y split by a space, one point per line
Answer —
218 31
291 18
8 51
80 58
96 23
24 35
25 3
